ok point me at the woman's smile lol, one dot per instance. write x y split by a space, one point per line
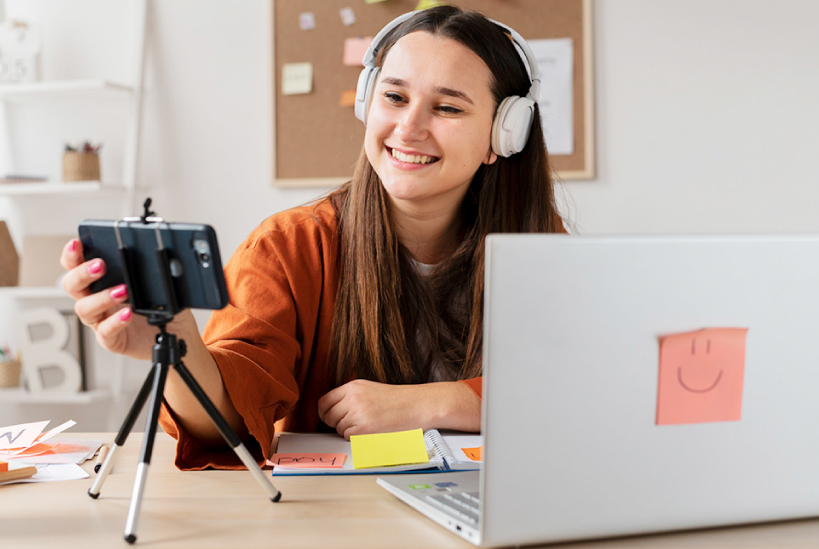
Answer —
410 160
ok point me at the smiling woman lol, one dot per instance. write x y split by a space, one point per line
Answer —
363 313
425 136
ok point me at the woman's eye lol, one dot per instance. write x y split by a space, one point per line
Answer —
393 97
449 110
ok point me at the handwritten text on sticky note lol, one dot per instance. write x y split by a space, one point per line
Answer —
308 461
297 78
388 449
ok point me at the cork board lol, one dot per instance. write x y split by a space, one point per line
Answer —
317 142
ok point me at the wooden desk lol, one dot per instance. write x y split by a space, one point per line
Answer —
227 509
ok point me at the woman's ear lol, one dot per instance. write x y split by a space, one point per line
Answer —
490 157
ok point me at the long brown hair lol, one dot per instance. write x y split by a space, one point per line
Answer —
384 307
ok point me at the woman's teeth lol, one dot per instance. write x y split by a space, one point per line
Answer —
413 158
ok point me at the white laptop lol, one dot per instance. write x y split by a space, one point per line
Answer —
640 384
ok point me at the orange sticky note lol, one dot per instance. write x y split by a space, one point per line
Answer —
308 460
701 376
354 50
347 98
473 453
4 466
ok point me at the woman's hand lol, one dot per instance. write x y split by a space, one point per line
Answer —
363 407
106 312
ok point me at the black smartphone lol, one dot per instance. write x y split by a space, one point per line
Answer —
167 266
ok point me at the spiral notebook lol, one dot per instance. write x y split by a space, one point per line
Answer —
447 452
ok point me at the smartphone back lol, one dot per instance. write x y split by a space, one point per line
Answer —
193 260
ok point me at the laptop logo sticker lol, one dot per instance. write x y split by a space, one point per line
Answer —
701 376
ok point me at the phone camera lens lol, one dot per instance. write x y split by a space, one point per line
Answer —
205 257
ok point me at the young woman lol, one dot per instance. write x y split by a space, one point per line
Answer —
363 312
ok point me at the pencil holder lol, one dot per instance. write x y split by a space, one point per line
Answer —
10 374
81 166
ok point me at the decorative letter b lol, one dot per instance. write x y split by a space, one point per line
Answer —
41 353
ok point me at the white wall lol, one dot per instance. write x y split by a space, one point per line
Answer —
707 117
208 125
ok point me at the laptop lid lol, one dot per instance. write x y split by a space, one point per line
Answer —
574 387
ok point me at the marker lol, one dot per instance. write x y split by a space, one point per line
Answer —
100 458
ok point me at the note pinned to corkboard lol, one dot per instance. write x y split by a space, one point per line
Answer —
9 260
317 138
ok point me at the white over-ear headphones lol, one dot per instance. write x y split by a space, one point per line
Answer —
513 118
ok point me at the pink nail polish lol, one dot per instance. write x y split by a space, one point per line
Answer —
72 246
125 314
119 291
95 267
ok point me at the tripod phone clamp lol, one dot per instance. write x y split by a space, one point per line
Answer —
168 351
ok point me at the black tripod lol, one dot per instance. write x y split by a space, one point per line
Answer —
167 351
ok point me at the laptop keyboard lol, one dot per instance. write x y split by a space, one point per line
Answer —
464 505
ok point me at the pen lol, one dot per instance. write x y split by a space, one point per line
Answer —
100 458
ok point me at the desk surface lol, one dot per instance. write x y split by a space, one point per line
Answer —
225 509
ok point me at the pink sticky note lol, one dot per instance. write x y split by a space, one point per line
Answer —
701 376
354 49
308 460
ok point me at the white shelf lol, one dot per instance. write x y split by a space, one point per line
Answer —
34 292
59 188
21 396
64 89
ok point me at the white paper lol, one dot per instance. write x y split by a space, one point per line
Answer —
347 16
297 78
22 435
555 61
53 472
307 20
65 451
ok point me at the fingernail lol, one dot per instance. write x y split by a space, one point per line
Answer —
119 291
125 314
95 267
72 246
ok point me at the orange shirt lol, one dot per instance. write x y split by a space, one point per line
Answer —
272 342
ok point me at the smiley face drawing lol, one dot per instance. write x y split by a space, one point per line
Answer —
701 376
700 363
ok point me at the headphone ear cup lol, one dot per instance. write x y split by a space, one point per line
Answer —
364 91
511 126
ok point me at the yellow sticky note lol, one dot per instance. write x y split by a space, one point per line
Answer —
426 4
297 78
386 449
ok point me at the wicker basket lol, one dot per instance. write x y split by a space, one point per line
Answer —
10 373
81 166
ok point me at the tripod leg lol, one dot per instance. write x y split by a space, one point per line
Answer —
160 375
122 435
227 432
